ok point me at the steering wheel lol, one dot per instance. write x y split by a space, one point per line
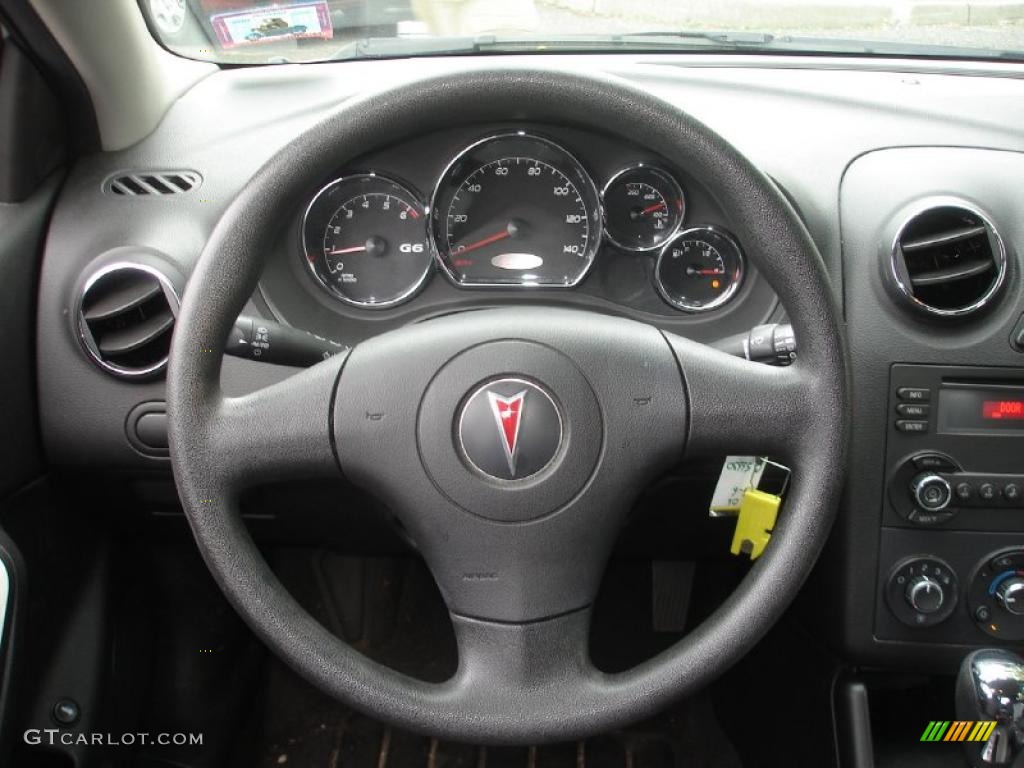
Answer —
602 406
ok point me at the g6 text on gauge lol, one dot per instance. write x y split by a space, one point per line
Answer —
365 240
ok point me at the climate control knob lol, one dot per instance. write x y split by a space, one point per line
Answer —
922 591
931 491
1011 595
925 595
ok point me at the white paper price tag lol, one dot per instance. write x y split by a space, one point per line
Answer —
739 473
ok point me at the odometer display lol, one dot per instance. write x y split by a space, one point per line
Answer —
516 210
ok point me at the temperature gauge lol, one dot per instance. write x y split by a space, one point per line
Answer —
700 269
643 208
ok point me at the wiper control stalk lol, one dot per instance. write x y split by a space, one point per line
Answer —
266 341
772 344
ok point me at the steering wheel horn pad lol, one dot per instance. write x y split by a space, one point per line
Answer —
577 427
512 551
518 559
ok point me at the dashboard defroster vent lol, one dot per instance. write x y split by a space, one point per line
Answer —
126 315
948 260
153 183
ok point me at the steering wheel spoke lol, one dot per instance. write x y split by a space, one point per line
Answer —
279 432
522 663
736 406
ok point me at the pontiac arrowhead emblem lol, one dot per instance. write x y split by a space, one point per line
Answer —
509 429
508 413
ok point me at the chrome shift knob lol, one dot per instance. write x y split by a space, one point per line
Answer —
991 687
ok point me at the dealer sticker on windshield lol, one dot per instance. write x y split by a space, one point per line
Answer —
279 22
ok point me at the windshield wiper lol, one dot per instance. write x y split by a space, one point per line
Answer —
654 42
401 47
792 44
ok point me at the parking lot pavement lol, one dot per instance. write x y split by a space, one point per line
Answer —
991 24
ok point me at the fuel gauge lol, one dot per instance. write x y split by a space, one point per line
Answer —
700 269
643 208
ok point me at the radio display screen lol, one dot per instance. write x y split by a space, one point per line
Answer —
1002 409
981 408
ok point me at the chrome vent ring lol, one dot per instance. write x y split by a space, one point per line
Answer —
125 315
948 260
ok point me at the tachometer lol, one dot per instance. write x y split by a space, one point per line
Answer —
366 241
519 210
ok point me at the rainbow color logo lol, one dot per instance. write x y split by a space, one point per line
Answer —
958 730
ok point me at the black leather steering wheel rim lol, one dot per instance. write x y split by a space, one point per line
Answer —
528 680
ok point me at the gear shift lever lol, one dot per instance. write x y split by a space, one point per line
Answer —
990 686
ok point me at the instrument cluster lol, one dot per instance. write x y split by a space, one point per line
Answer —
512 210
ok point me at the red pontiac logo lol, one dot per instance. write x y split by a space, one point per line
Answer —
509 429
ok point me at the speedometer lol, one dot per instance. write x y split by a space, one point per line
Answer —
516 209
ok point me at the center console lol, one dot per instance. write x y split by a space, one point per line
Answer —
954 466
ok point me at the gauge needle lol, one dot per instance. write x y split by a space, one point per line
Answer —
710 271
353 249
653 208
485 241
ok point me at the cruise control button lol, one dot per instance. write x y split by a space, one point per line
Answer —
913 410
1011 492
964 491
908 425
914 394
987 491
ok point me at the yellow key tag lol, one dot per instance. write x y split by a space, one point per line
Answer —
757 516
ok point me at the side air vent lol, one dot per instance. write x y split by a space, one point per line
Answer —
948 260
126 315
156 183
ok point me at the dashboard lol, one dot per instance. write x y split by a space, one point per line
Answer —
906 174
502 214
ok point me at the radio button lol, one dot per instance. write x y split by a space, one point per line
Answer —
914 394
1011 492
935 461
987 491
907 425
921 517
964 491
913 410
931 492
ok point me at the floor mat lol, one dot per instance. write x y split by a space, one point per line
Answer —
355 741
391 610
360 742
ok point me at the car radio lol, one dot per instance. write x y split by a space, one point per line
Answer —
955 448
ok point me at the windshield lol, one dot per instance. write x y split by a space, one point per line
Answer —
267 32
